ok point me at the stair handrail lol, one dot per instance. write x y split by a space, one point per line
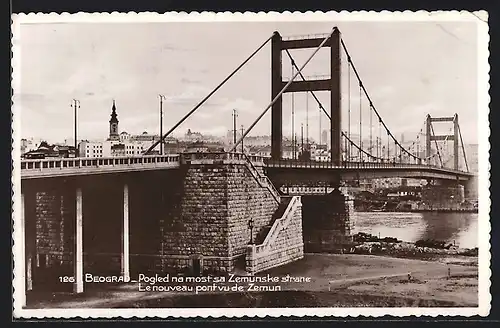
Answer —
280 223
270 186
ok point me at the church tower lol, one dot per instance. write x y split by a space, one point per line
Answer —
113 124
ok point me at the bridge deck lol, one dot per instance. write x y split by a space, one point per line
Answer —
371 167
54 167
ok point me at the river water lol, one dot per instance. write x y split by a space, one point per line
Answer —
458 228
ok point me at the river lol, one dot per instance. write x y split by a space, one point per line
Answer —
458 228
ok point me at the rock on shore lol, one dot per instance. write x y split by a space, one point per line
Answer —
367 244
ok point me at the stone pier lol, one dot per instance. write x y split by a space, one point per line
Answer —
442 194
50 235
211 230
326 222
471 189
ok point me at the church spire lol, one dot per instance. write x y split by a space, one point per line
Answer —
114 116
113 124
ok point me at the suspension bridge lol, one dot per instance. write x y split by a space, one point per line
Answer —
168 209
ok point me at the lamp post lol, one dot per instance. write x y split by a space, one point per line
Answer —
242 147
76 106
234 126
250 226
162 97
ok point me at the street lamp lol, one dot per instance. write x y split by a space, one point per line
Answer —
162 97
76 106
250 226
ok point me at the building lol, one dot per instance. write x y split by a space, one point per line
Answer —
144 137
94 149
191 136
325 137
133 149
28 145
124 136
201 146
118 149
45 150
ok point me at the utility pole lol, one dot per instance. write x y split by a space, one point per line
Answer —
161 123
234 126
307 119
242 131
76 106
295 146
319 127
302 137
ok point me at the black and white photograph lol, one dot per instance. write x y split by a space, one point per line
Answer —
250 164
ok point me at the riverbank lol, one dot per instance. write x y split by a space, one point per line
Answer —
335 280
426 210
368 244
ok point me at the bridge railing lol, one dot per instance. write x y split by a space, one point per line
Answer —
193 156
290 163
97 162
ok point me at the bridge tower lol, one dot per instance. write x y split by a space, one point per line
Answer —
332 84
430 136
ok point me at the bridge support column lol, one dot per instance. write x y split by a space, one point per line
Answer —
471 189
442 194
27 226
336 99
277 108
125 256
78 262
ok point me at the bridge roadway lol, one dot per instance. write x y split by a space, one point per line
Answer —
61 167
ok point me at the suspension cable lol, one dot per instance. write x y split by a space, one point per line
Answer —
162 138
329 117
388 159
283 89
369 99
463 148
437 147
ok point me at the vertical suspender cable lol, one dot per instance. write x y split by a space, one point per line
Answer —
360 126
307 120
349 104
371 130
293 115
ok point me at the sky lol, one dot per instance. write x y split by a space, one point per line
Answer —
410 69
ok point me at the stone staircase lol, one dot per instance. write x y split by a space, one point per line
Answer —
262 179
280 243
261 236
